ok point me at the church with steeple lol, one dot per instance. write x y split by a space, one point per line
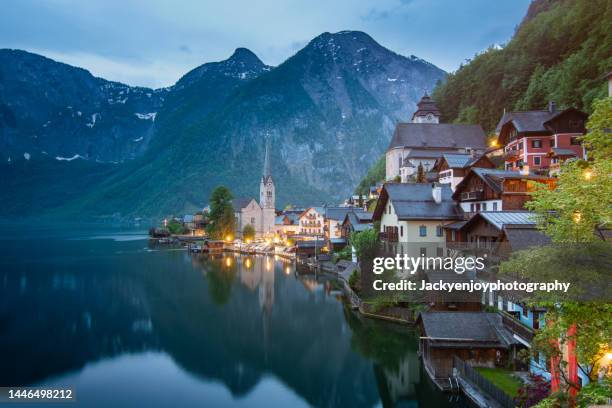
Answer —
261 215
423 140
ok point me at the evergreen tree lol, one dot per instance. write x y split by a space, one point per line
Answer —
420 176
222 221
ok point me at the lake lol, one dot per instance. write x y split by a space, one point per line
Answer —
123 324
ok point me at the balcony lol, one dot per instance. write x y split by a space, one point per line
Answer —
516 327
511 155
472 195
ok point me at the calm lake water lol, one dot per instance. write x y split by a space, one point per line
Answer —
128 325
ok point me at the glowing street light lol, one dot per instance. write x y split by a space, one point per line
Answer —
577 216
588 174
228 238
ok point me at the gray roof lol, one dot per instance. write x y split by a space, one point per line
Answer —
563 152
415 202
461 326
459 160
501 218
455 225
338 213
525 236
432 135
240 203
527 121
530 121
423 154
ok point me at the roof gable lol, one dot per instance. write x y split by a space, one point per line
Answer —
413 201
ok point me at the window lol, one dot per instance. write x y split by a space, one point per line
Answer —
472 207
423 251
453 235
439 252
422 231
439 231
536 143
525 311
552 142
477 206
508 166
494 206
520 146
252 220
574 141
484 206
401 230
537 160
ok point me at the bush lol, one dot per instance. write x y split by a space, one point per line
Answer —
345 254
175 227
595 394
533 392
248 232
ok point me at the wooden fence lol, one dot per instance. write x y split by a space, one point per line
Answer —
470 374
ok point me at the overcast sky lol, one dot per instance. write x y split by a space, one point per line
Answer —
154 42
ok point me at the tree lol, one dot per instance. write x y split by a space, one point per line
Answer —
222 221
570 214
248 232
420 176
365 243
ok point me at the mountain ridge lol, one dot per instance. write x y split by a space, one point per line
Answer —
328 110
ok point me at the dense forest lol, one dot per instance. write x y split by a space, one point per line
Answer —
560 51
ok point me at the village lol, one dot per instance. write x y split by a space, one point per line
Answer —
447 188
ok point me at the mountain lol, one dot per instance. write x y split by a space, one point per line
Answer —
559 52
52 109
205 88
328 112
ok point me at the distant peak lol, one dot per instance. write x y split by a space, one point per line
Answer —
246 56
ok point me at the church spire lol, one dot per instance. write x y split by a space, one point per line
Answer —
267 170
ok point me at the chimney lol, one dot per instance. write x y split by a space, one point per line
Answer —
552 106
436 193
525 170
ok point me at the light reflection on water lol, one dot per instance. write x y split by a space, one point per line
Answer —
125 326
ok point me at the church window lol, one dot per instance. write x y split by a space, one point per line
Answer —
252 220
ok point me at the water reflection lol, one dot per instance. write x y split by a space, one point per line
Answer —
77 309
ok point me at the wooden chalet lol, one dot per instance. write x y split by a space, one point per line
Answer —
452 168
497 190
541 139
478 338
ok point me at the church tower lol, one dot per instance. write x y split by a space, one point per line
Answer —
427 111
267 195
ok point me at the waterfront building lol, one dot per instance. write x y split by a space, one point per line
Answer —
425 139
479 339
541 139
312 222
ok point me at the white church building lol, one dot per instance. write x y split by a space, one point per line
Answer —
424 139
261 215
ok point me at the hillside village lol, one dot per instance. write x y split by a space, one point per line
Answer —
446 189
